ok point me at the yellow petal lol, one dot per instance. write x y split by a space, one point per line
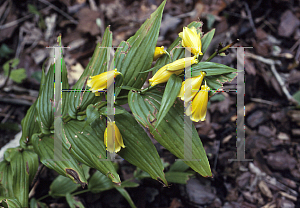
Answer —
99 82
198 107
159 51
181 63
112 138
195 86
191 40
162 76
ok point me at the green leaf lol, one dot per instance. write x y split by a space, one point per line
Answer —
97 65
65 86
211 69
210 20
6 179
205 40
125 194
296 96
45 103
178 166
5 51
10 63
178 177
170 133
18 75
99 182
31 161
86 170
92 114
136 54
129 184
171 92
72 202
9 202
103 111
32 9
63 162
20 177
87 148
217 97
61 186
216 82
139 149
37 75
29 126
37 204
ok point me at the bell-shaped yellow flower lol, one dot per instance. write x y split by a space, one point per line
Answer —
113 145
197 109
159 51
99 82
195 86
192 40
176 67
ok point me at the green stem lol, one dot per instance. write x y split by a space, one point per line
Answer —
121 97
222 50
80 192
147 89
43 197
67 119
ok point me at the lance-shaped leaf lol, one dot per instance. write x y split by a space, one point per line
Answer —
6 179
97 65
139 149
126 195
37 204
178 177
45 103
31 161
170 132
175 49
136 54
62 161
216 82
29 126
87 148
205 40
61 186
72 202
211 69
99 182
20 178
65 86
171 92
10 202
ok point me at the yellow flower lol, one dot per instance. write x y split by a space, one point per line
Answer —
195 86
176 67
192 40
113 146
99 82
159 51
197 109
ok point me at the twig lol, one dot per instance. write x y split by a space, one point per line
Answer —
7 78
15 22
60 11
250 17
274 71
222 50
36 177
15 101
7 115
258 100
